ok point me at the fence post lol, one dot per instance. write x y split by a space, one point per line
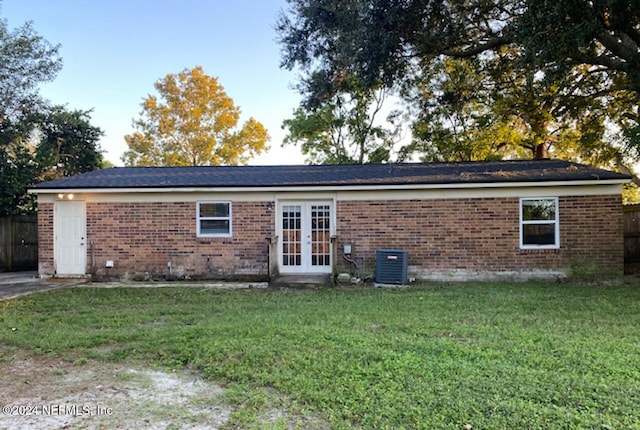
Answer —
631 221
6 231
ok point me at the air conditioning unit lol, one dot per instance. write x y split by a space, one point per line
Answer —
391 266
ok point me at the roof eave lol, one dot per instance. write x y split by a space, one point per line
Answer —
325 188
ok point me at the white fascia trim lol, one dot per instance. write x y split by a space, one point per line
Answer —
330 188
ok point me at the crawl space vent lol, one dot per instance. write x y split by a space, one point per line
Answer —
391 266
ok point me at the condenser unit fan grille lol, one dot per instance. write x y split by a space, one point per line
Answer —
391 266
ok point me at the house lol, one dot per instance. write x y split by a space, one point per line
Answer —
457 221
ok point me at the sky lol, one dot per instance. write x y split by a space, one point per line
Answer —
114 51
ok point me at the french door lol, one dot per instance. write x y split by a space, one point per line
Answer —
305 229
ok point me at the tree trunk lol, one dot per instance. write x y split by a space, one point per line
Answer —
626 170
541 151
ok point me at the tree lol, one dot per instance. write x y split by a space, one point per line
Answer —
587 54
18 168
43 146
456 117
604 34
382 39
26 60
480 108
192 122
342 128
68 143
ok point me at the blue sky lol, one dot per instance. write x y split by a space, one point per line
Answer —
114 51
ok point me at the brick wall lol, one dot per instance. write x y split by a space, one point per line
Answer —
482 234
143 237
592 232
440 236
46 266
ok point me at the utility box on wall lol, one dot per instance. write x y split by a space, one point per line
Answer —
391 266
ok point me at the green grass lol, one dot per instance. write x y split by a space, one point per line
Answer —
495 356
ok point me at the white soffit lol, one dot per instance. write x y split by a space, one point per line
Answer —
528 189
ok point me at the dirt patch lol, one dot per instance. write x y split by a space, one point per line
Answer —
40 393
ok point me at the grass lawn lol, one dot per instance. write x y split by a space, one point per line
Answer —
492 356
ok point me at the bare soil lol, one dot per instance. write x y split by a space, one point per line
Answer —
43 393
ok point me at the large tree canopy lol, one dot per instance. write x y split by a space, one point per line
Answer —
37 141
343 127
46 145
485 78
26 60
602 33
67 143
384 38
192 122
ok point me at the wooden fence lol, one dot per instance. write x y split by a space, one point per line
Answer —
18 243
631 220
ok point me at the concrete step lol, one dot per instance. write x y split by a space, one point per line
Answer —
301 281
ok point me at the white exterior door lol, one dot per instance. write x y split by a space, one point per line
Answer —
69 227
305 229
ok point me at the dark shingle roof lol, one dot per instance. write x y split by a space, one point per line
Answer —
333 175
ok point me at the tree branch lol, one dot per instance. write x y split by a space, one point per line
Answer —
472 51
601 60
616 47
633 34
625 169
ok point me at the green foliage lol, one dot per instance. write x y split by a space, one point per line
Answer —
68 143
601 33
381 41
37 142
44 145
486 79
476 109
343 127
17 171
459 116
498 356
26 60
192 122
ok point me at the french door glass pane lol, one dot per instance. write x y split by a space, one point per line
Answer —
320 235
292 235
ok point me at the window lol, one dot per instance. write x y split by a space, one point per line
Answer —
539 226
214 219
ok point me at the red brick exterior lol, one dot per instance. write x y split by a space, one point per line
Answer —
470 234
144 237
46 265
482 234
141 238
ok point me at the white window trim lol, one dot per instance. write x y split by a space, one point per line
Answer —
199 218
556 245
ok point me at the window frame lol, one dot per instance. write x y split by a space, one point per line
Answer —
555 222
199 218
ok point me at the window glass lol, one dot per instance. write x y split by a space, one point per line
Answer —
538 210
539 234
214 219
214 226
539 223
214 210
